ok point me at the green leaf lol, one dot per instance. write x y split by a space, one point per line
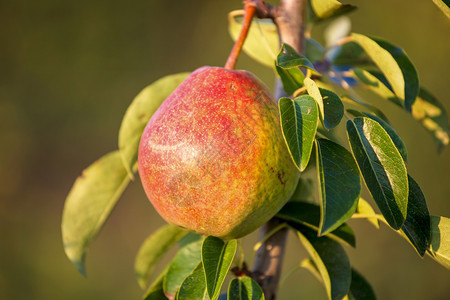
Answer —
360 288
139 113
432 115
440 240
443 6
333 108
299 125
364 208
244 288
323 9
417 223
153 248
382 167
398 142
330 105
339 184
289 58
89 204
307 214
193 286
394 64
292 79
217 257
184 262
262 42
331 260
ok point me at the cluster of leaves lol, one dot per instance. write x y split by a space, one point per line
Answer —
320 100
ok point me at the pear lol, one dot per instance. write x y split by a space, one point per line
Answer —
212 159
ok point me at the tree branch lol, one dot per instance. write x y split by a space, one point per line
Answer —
289 18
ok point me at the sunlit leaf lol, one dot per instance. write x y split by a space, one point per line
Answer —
339 184
289 58
322 9
382 167
299 118
360 288
217 256
139 113
331 261
292 79
337 30
364 208
244 288
262 42
349 54
156 290
184 262
152 250
432 115
307 214
440 240
417 223
394 64
392 133
313 91
89 204
194 285
444 6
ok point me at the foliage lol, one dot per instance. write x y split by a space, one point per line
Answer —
323 85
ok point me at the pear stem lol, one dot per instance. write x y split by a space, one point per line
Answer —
249 12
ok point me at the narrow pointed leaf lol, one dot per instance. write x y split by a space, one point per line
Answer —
194 285
401 147
217 256
299 119
439 248
292 79
417 223
394 64
382 167
307 214
432 115
339 184
364 208
139 113
289 58
89 204
156 290
152 250
262 42
184 262
244 288
360 288
331 260
314 51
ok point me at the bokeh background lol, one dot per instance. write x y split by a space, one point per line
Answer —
68 71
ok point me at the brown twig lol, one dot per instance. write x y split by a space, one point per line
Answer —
289 18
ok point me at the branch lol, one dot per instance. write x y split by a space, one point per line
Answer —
289 18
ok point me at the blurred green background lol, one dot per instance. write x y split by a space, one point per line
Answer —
68 71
